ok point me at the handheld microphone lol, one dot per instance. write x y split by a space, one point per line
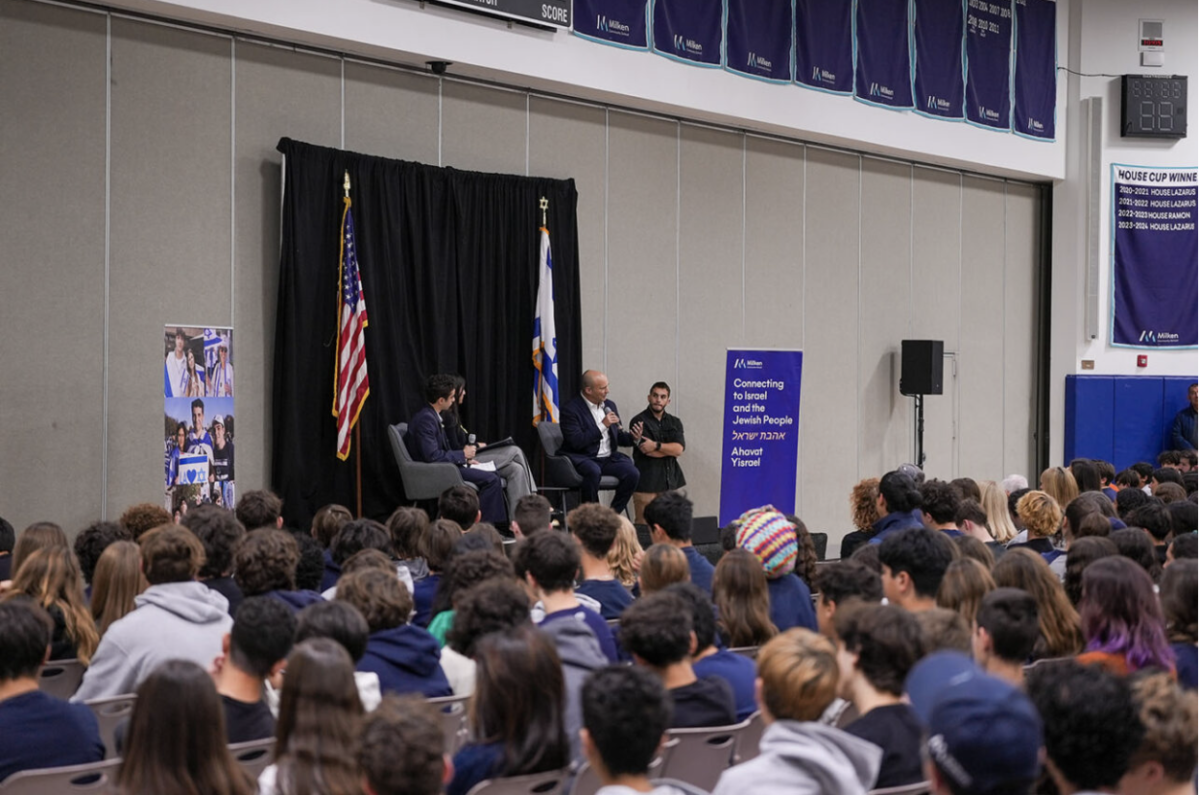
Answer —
470 438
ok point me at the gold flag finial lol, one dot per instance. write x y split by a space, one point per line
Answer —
346 183
544 203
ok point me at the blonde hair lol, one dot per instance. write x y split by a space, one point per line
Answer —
118 580
1040 513
799 674
995 504
864 509
963 587
663 565
1060 484
623 551
51 576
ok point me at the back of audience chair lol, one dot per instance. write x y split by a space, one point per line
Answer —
110 713
700 756
454 721
746 651
920 788
749 738
588 783
549 783
254 756
95 778
60 678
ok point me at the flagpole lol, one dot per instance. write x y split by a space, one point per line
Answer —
357 425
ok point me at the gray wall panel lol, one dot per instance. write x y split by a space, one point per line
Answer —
279 93
710 289
52 265
936 244
829 399
391 113
551 124
641 339
774 240
483 129
884 315
170 228
981 355
1020 329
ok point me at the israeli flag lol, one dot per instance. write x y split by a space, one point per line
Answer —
193 469
212 341
545 342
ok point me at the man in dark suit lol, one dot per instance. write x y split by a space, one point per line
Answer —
427 442
591 434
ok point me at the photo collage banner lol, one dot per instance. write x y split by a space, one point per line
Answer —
990 64
198 418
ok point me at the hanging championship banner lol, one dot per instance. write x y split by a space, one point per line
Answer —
825 45
989 63
1034 76
758 39
619 22
688 30
198 389
762 431
1154 257
883 69
938 58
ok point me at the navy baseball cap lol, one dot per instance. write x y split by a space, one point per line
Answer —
984 734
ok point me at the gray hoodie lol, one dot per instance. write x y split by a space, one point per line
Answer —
173 621
580 653
805 759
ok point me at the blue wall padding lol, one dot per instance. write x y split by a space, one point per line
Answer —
1121 418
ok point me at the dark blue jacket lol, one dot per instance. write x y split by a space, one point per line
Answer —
332 571
1183 430
581 435
424 590
791 603
427 442
895 522
407 660
738 671
297 600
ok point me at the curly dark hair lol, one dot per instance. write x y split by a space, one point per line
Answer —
357 535
265 561
595 526
626 710
402 746
657 628
144 516
806 552
311 567
940 500
494 605
468 569
379 595
93 540
845 579
259 508
887 639
1090 722
551 558
919 552
219 531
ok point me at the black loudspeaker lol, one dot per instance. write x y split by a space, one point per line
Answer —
921 367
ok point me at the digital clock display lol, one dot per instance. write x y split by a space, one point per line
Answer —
1153 107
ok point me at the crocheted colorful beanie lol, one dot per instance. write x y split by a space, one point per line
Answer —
770 537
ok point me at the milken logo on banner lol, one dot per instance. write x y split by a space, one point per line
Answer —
820 75
688 45
1155 337
987 113
882 91
937 103
759 61
746 364
607 25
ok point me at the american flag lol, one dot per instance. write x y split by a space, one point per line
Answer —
350 380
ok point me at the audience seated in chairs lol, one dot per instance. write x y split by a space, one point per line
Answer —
1165 762
176 618
914 562
405 657
437 548
118 581
797 680
839 583
176 740
596 528
254 651
1005 632
774 540
406 526
51 577
657 631
495 605
662 565
39 730
265 563
532 514
320 722
1060 634
90 545
669 516
1122 621
476 561
220 532
517 718
326 523
401 749
355 536
708 660
343 624
743 600
1179 603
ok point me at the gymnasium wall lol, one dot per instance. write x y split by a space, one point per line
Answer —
144 189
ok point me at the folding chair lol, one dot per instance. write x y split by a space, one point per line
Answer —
94 778
920 788
549 783
700 756
110 713
60 678
746 651
254 755
588 783
454 721
749 739
560 474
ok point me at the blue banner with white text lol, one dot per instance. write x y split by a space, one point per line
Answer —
989 64
758 39
688 30
619 22
883 66
1034 75
760 447
938 58
825 45
1154 261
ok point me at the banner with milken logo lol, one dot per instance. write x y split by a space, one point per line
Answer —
762 431
938 58
1036 55
619 22
883 66
1154 257
989 63
825 45
688 30
758 39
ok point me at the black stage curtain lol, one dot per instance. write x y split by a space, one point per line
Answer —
449 267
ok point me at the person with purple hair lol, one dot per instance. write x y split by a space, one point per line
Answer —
1122 621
